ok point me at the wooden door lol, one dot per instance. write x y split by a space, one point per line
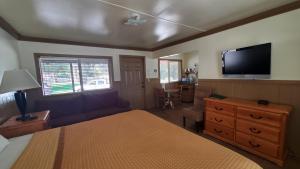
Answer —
133 80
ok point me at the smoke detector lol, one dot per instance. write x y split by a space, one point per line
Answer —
135 20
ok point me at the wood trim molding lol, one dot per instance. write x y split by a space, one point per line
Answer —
269 13
253 18
9 29
67 42
259 81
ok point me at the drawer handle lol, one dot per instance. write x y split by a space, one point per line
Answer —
254 145
218 131
219 121
254 130
217 108
256 117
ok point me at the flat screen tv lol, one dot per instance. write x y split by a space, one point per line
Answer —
252 60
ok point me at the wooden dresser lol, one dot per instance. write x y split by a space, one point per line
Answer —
255 128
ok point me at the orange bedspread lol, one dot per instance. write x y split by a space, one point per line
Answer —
131 140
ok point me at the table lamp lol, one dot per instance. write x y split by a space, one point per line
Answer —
18 81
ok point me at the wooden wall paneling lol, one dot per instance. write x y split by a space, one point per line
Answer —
247 91
206 83
268 92
225 88
253 90
149 98
151 84
293 132
285 95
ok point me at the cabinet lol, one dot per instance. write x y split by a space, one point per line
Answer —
12 128
259 129
187 92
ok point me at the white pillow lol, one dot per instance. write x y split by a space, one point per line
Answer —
3 143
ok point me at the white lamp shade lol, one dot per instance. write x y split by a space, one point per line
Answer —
14 80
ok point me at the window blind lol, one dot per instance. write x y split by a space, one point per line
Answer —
69 75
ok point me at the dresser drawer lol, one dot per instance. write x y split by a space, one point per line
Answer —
258 130
257 144
221 131
218 118
268 118
221 108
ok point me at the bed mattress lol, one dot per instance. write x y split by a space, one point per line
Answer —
133 140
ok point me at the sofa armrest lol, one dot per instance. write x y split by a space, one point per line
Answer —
123 103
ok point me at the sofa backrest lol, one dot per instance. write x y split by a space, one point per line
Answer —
61 106
97 101
78 103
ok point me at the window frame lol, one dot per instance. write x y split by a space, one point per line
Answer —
170 60
37 57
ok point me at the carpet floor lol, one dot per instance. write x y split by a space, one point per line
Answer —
175 116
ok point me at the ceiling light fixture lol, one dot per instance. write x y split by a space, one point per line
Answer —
149 15
135 20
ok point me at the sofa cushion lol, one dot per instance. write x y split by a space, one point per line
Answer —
105 112
67 120
61 107
98 101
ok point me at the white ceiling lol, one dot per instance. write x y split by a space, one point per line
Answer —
102 22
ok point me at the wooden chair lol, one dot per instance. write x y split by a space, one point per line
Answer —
197 111
176 97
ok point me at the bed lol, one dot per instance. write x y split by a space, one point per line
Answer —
130 140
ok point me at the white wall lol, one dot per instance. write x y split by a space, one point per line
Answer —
27 49
8 53
282 30
173 57
8 61
190 59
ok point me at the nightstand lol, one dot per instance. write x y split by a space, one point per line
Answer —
13 128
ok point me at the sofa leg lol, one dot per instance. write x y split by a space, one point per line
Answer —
184 121
197 124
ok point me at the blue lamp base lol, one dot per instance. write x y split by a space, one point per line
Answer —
20 97
27 117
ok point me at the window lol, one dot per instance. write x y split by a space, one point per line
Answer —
170 71
61 75
95 74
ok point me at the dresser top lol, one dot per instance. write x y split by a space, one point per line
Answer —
275 108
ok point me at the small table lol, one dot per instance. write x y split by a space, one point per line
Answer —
169 102
13 128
